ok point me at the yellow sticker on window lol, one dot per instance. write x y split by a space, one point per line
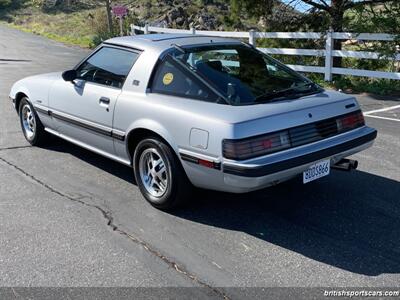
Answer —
168 78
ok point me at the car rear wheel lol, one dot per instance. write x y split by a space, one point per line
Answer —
31 126
159 174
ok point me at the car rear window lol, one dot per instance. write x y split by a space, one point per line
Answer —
242 74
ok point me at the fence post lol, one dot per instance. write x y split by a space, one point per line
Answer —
328 55
132 30
252 37
146 29
192 30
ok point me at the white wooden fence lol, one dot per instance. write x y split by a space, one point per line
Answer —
328 52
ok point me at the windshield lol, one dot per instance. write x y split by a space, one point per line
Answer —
243 74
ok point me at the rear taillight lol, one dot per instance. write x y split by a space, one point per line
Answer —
296 136
257 146
350 121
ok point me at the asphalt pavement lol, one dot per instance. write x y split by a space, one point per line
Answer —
71 218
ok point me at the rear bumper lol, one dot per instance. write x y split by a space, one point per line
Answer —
263 170
258 173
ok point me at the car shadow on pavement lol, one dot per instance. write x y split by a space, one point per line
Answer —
350 220
347 220
98 161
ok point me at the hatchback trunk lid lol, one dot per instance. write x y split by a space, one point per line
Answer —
269 117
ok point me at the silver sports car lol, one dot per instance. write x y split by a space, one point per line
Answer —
186 111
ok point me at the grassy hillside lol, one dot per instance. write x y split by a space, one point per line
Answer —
71 28
85 24
72 25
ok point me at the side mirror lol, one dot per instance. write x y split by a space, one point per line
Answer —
70 75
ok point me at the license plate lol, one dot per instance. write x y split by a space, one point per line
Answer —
317 170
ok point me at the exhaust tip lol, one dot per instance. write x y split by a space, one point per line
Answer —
353 164
346 164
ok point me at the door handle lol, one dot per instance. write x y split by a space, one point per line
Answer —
104 100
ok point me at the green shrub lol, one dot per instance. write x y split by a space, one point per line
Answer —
354 84
99 26
4 3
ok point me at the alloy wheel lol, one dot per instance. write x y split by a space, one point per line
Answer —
153 172
28 121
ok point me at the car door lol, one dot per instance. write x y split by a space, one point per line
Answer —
82 110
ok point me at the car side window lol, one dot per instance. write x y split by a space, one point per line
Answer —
108 66
172 79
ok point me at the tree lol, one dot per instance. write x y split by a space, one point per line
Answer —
384 18
337 8
334 10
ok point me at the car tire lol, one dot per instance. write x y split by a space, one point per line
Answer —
160 175
32 128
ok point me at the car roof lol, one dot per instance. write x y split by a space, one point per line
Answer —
162 42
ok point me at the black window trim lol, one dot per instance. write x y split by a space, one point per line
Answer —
109 45
185 70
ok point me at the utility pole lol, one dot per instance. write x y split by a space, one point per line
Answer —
121 28
109 17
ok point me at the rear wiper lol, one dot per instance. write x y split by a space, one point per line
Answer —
286 92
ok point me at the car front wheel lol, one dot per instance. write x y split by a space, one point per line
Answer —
159 174
30 123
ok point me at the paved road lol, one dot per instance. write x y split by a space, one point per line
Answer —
71 218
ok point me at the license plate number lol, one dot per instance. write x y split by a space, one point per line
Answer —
317 170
